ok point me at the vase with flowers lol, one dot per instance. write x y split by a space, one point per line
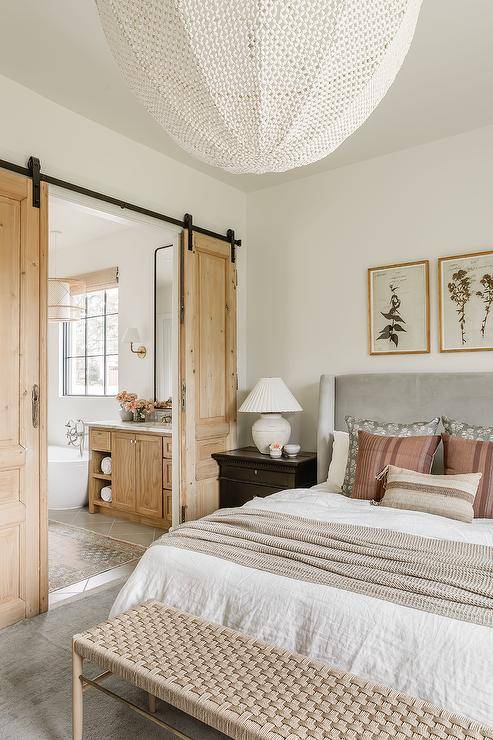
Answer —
125 398
141 408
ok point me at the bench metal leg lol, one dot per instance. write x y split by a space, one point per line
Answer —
90 683
77 696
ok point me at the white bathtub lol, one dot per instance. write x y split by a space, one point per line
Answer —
67 477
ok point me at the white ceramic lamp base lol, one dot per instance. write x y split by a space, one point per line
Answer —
270 428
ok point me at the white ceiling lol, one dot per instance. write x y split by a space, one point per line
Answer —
78 226
80 221
445 86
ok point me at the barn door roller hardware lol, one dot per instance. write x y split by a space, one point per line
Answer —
230 235
188 225
33 170
233 242
34 167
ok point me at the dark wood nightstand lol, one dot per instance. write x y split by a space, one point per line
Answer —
246 473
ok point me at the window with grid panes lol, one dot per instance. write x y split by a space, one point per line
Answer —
90 347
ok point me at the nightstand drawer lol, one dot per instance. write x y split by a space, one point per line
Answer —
232 493
251 474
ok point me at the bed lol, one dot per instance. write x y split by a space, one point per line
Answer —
434 657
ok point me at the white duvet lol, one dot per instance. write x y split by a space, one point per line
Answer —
443 660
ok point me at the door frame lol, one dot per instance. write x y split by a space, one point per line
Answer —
58 191
43 407
184 230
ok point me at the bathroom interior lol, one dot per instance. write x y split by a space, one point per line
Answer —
112 349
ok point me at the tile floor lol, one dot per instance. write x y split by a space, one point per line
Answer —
120 529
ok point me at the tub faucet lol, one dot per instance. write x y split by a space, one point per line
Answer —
75 434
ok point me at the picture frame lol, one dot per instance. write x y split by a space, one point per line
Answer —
465 302
399 309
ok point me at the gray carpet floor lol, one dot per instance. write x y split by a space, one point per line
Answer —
35 683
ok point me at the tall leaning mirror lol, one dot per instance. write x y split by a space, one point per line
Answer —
163 291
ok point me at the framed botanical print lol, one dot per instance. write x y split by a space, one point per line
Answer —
399 309
465 286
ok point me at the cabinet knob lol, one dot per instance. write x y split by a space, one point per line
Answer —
255 471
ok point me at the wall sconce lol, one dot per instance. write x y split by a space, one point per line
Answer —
131 336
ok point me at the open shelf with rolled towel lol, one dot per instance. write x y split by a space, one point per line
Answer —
100 474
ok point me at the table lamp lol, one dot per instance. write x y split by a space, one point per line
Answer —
270 398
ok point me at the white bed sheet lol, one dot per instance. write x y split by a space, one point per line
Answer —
443 660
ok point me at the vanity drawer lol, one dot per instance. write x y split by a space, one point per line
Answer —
100 440
167 446
167 506
250 474
167 468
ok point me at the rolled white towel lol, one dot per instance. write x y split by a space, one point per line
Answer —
106 465
105 494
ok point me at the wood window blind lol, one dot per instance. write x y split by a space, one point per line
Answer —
97 280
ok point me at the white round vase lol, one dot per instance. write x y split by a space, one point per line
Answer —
270 428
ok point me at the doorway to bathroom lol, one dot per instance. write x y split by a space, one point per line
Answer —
112 371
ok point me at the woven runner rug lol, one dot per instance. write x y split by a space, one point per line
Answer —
75 554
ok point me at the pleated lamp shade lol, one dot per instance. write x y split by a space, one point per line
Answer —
270 396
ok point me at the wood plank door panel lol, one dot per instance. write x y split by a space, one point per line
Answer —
19 426
123 453
149 475
207 370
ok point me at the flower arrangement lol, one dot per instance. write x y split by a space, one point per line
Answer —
124 397
132 407
141 404
140 407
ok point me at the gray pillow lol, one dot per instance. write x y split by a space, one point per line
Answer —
466 431
385 429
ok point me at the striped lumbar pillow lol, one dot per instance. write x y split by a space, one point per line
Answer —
444 495
384 429
472 456
376 452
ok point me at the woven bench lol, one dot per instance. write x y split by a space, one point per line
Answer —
246 688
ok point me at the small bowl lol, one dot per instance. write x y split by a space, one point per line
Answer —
276 452
292 450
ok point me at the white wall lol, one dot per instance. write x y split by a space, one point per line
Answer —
132 251
74 148
311 241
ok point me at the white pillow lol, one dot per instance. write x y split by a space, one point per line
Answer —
340 453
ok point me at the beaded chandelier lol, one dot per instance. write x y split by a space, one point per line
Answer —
259 85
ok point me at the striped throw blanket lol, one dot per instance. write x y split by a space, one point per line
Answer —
453 579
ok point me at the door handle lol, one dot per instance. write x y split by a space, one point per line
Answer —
35 405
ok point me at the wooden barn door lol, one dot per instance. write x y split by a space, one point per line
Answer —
19 400
208 379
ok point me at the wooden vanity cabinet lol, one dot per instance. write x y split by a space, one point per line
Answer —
123 478
140 476
149 489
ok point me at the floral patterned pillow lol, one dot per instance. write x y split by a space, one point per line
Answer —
385 429
466 431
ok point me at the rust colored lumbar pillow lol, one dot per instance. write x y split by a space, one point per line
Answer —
376 452
451 496
472 456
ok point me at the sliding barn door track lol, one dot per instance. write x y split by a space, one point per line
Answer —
33 170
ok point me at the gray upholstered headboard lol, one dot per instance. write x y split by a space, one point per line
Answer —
399 397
